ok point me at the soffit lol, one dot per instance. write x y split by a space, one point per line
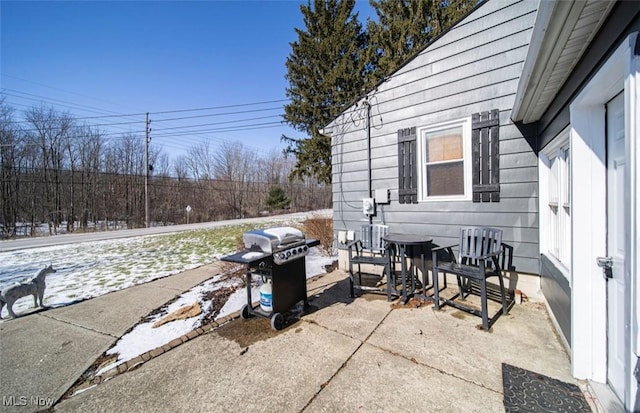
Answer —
561 34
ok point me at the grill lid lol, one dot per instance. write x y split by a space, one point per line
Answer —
270 240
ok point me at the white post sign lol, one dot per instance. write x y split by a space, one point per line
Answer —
188 210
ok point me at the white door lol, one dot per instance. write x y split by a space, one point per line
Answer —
615 244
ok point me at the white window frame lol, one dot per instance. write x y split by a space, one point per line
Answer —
555 195
465 123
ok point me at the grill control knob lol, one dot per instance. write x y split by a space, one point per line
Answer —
295 252
288 254
305 248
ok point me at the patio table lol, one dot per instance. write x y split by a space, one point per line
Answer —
409 247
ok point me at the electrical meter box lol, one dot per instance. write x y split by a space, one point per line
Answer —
368 206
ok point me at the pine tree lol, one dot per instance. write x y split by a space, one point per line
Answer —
326 72
445 14
405 27
402 25
334 62
277 199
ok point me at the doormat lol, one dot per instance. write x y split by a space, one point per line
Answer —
527 391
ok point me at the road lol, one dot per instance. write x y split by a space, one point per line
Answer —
47 241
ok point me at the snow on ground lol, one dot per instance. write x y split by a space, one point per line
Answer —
144 337
90 269
86 270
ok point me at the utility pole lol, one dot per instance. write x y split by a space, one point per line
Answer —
147 130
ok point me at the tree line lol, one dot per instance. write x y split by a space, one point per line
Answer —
67 176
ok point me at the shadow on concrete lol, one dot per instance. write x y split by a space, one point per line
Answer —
246 332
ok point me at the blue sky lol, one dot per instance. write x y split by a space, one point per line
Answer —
123 57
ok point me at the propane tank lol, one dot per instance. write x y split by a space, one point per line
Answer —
266 296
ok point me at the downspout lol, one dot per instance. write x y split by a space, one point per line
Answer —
368 127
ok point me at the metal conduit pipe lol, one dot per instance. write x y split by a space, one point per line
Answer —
368 127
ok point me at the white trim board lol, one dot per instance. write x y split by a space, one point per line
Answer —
589 208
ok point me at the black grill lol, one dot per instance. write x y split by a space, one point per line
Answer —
276 255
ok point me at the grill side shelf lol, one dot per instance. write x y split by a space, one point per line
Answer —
250 257
246 257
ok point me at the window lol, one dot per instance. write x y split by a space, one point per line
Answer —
458 160
443 161
555 199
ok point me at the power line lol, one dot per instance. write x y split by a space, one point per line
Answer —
187 132
117 115
219 123
220 107
219 114
115 129
56 88
193 126
43 99
265 125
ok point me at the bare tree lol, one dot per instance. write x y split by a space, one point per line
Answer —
130 170
185 192
233 165
181 168
200 161
90 149
49 131
200 164
9 170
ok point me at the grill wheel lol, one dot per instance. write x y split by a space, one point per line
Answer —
277 321
244 313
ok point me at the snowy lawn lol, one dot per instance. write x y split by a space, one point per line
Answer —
90 269
87 270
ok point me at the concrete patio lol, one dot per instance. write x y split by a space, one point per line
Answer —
361 354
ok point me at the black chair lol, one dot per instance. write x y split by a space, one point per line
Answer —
369 249
479 252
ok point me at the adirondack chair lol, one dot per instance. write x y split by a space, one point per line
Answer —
369 248
479 252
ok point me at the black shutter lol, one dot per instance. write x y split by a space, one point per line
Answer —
485 130
407 174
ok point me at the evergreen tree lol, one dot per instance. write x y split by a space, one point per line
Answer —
402 26
334 62
277 199
446 13
326 72
405 27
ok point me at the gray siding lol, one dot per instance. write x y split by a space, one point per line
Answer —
557 292
474 67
